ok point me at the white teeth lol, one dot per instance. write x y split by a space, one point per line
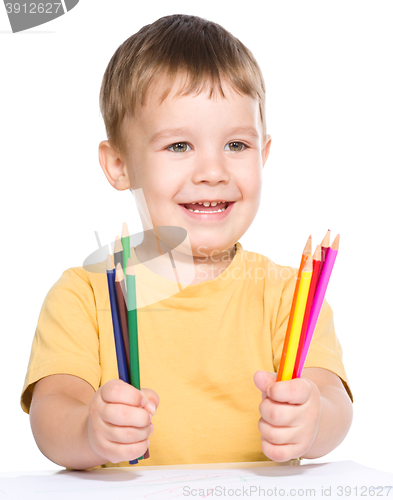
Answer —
206 211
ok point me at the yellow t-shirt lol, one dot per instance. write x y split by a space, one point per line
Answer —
198 349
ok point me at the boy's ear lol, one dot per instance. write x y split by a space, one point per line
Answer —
113 166
266 149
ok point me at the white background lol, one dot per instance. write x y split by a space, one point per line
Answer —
328 72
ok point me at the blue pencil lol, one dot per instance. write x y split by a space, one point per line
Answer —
120 353
119 344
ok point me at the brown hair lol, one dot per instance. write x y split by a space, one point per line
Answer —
179 44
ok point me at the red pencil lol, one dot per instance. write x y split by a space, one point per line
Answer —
324 248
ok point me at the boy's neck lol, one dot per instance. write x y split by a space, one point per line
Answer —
209 268
206 267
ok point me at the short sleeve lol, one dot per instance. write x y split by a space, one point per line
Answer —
325 349
66 338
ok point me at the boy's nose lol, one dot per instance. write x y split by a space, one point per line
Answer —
211 168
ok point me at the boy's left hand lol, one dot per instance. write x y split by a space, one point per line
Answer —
290 413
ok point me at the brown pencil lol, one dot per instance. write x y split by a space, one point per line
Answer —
118 252
121 295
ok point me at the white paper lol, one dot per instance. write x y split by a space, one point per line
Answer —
327 480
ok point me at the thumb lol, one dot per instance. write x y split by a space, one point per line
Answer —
263 380
153 400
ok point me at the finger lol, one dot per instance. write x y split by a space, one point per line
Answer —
153 400
126 435
117 452
279 414
264 379
117 391
280 452
294 391
125 415
277 435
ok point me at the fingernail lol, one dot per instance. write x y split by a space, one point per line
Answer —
151 408
148 443
151 429
268 392
143 402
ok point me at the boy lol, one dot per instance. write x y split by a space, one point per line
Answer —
184 107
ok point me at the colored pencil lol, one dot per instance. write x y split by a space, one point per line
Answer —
125 241
305 255
318 298
133 329
115 294
313 285
118 252
132 324
300 307
121 294
324 248
120 352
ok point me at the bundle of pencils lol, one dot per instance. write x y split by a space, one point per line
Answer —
311 284
122 297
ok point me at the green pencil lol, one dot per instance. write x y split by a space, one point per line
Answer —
132 326
125 241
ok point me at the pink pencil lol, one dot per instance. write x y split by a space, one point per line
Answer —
318 299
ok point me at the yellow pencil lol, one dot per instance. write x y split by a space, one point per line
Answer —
296 329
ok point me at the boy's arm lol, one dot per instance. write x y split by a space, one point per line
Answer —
76 427
336 412
306 417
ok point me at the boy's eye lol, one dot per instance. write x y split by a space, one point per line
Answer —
235 146
179 147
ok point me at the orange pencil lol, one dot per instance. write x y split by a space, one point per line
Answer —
305 255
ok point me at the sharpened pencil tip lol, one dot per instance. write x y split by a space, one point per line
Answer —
307 248
335 243
124 231
326 240
119 272
317 253
118 246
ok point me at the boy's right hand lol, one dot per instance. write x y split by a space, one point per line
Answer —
119 419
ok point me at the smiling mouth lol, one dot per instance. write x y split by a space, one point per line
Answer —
207 207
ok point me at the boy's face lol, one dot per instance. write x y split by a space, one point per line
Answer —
195 149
